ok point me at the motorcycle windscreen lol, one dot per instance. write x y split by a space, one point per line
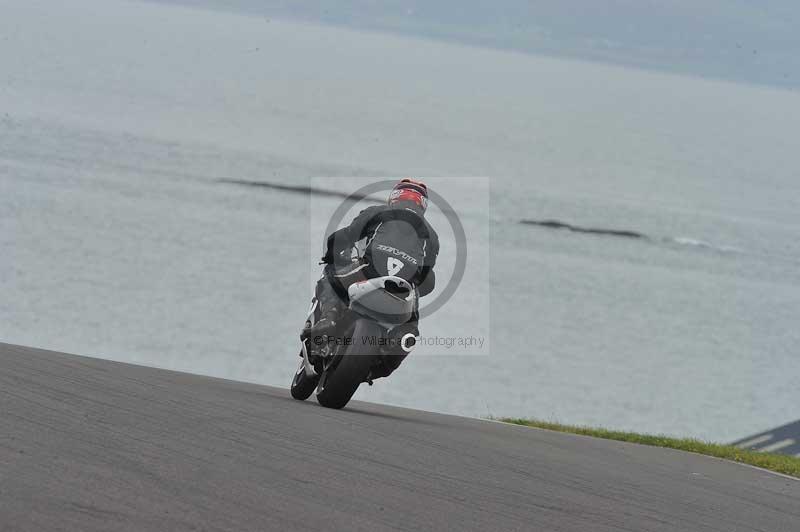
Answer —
396 249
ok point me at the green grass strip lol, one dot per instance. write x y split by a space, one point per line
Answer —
780 463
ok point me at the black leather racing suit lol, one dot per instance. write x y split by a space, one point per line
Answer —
381 240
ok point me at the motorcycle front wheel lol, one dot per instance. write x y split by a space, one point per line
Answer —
303 385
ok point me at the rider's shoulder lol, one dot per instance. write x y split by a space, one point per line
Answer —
372 210
434 236
367 214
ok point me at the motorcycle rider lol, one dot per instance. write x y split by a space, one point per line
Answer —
392 239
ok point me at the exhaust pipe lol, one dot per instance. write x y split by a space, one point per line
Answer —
408 342
403 339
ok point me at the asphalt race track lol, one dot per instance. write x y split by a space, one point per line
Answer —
87 444
783 440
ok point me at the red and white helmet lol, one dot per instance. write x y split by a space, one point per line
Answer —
410 190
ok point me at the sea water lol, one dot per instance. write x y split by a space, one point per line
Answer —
118 121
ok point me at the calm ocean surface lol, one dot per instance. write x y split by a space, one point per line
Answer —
117 240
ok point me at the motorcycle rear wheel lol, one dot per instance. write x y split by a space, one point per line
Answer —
340 381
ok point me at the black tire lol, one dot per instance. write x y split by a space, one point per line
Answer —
340 382
303 385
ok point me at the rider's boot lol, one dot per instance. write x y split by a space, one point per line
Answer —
330 312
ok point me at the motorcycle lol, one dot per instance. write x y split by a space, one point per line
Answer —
373 329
